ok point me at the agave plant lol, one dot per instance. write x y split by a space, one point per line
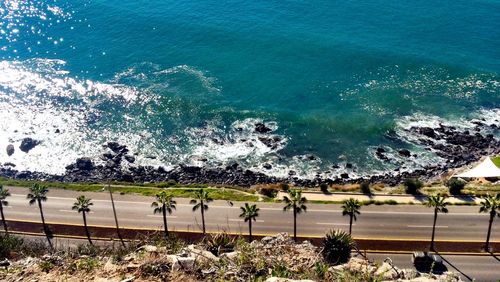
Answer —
337 246
218 243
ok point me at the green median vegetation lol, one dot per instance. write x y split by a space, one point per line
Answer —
176 190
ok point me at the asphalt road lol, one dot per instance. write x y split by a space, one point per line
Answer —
375 222
478 268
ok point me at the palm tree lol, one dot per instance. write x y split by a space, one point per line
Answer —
490 204
82 205
438 203
249 213
164 203
38 194
200 201
4 193
295 201
351 208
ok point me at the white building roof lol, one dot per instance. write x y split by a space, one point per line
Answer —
485 169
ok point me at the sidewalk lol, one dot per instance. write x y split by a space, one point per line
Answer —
400 199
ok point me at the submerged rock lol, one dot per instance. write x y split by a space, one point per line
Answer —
262 128
10 150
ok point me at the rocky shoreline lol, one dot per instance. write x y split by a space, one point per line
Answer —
457 147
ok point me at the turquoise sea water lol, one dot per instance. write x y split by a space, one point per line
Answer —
184 81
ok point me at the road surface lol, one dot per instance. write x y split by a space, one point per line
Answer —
480 268
375 222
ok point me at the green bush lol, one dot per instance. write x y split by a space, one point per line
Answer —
46 266
269 192
337 246
284 187
9 244
365 188
455 185
413 186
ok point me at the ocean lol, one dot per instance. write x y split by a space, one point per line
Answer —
185 82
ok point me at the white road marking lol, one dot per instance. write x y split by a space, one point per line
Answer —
426 226
241 220
71 211
159 215
334 223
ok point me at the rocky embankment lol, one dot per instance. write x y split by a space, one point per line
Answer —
456 147
271 259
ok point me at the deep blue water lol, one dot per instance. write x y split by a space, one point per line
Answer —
186 80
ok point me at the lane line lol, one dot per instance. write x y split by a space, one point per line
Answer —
334 223
71 211
159 215
241 220
426 226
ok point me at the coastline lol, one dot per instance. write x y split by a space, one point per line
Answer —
458 147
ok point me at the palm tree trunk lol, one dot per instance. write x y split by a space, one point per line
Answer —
350 225
86 227
45 228
294 224
3 220
116 218
165 221
487 246
433 229
203 216
250 230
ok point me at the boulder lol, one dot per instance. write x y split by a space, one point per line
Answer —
404 153
129 158
262 128
28 143
182 263
84 164
387 272
10 150
427 131
230 255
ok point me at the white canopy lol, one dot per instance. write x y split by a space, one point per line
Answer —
485 169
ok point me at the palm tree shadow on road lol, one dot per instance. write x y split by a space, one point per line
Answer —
494 256
454 267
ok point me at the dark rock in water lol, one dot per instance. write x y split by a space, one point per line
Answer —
10 150
107 156
271 142
348 165
380 150
57 131
267 166
9 164
311 157
262 128
381 156
344 176
292 172
127 177
335 166
84 164
117 148
427 131
28 143
161 169
129 158
150 157
404 153
23 175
